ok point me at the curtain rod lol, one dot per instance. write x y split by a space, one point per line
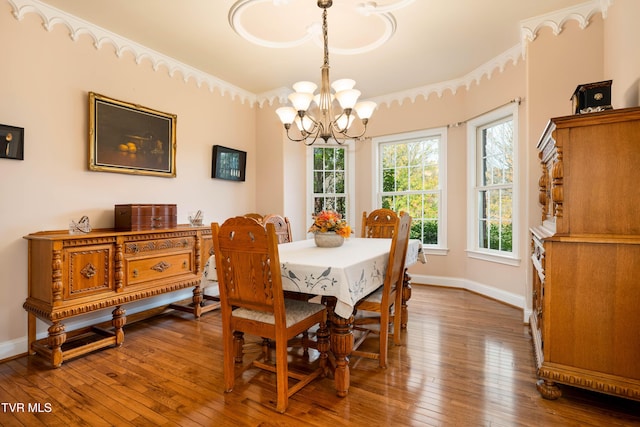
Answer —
517 100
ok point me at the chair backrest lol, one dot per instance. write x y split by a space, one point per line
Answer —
248 267
282 226
255 216
380 223
397 256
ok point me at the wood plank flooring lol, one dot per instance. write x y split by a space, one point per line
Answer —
466 361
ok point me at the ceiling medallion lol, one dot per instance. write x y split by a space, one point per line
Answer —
242 12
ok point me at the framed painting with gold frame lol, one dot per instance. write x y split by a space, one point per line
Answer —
129 138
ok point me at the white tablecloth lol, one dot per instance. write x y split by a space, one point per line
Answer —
348 272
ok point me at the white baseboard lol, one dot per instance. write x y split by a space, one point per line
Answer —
19 345
479 288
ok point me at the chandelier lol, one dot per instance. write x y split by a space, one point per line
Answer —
313 114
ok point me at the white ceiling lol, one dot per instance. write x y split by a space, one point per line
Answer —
434 40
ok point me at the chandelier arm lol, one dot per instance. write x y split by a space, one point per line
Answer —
303 139
324 126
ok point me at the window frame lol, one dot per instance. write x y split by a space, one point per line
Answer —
349 147
441 132
474 168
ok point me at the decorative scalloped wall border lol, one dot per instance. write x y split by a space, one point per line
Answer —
530 28
77 27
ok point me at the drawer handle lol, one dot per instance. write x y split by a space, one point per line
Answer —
135 272
161 266
184 265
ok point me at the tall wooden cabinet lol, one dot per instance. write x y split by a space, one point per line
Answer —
586 255
71 275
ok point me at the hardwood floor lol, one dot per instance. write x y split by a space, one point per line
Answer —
468 361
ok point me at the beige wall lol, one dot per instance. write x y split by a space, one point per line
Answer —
44 82
555 65
44 89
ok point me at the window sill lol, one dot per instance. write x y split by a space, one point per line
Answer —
435 251
500 259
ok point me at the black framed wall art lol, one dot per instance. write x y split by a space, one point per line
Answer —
11 142
228 163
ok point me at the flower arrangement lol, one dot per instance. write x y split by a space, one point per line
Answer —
330 221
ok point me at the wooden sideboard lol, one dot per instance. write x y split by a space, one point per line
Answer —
76 274
586 255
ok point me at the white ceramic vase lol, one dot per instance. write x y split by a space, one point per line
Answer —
329 239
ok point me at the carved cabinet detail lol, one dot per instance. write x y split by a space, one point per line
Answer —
585 255
71 275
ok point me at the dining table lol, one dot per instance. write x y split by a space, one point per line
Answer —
341 276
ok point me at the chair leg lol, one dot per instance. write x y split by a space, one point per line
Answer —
282 377
229 361
384 338
305 344
238 343
266 351
323 345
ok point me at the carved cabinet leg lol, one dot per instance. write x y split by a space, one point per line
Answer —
57 337
548 389
118 321
198 301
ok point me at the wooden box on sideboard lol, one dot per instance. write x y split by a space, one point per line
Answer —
133 217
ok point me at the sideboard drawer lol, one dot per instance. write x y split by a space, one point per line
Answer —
153 268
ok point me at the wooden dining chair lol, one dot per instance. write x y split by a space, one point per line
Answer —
252 302
379 223
282 226
255 216
385 299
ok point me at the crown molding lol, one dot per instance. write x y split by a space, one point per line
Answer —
529 30
557 20
78 27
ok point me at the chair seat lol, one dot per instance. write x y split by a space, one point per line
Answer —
375 296
295 310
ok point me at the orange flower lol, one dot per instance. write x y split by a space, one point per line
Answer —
330 221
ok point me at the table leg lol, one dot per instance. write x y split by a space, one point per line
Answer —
341 343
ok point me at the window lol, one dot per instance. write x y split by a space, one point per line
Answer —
492 171
411 178
330 181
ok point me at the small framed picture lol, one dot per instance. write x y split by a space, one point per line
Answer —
228 163
129 138
11 142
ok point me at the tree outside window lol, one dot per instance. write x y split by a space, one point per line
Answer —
411 181
495 186
329 180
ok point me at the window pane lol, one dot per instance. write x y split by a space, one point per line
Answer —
329 182
415 178
410 182
339 155
329 179
329 160
402 179
339 185
388 180
318 182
